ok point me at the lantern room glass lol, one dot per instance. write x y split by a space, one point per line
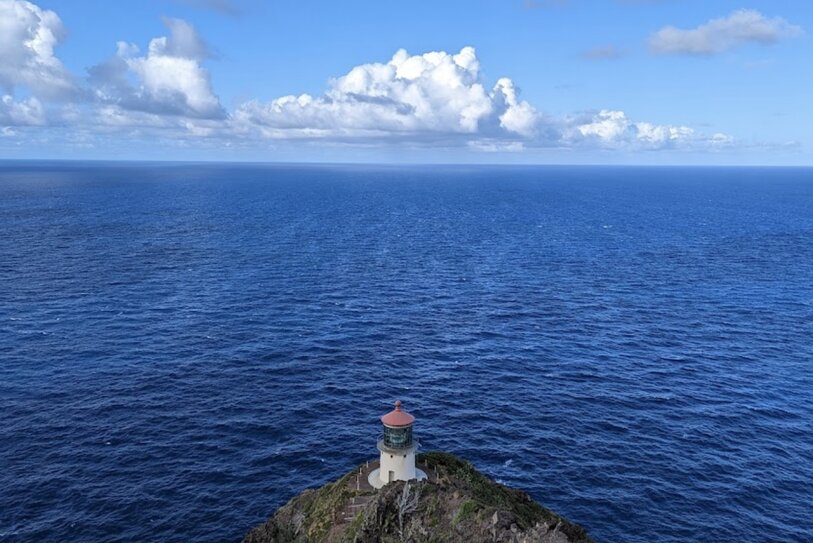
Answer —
398 438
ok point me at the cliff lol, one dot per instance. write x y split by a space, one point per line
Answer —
457 503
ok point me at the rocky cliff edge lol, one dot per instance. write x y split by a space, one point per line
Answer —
456 503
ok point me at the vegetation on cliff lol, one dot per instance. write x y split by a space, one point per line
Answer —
457 504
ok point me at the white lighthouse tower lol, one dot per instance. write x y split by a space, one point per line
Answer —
397 448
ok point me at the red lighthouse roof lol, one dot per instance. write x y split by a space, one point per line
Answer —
397 417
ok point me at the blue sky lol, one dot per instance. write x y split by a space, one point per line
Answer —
533 81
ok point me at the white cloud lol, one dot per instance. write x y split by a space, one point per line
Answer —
28 112
517 116
170 77
612 129
607 125
432 93
718 35
28 36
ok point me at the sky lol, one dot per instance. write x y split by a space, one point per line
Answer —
492 81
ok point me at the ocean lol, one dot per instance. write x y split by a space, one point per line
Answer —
185 347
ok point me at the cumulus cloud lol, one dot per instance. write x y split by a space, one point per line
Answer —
28 36
516 116
170 79
612 129
718 35
435 92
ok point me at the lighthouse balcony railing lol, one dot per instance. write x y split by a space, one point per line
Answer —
396 449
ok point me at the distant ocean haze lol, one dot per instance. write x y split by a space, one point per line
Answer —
185 347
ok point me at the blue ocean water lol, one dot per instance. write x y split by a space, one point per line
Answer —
183 348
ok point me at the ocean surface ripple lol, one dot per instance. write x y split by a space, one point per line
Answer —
183 348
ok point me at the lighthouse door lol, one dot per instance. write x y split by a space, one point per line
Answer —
391 477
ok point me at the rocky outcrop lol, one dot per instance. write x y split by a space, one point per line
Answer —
457 503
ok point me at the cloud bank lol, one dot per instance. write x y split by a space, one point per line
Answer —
719 35
164 92
440 97
613 130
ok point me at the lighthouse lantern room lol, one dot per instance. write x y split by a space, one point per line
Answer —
397 449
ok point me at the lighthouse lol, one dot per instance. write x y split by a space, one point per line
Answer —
397 449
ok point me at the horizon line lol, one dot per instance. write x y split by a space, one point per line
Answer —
392 164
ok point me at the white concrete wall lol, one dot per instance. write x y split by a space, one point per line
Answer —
402 464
